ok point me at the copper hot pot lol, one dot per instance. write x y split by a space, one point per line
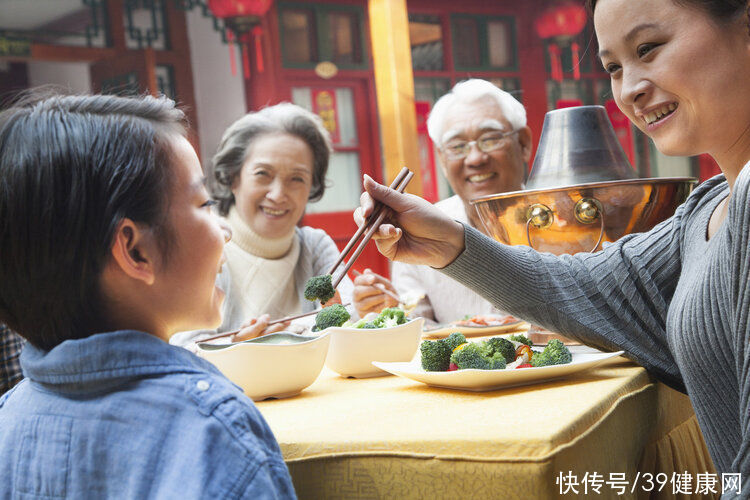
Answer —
581 192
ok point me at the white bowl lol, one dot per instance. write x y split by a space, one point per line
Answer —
278 365
353 350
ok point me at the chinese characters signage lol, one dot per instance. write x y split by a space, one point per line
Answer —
14 47
324 105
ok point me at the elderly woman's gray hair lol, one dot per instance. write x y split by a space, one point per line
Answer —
284 118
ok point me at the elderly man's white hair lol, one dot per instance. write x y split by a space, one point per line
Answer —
469 91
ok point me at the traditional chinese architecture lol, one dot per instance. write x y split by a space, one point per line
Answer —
370 68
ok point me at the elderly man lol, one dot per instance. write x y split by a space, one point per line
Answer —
484 145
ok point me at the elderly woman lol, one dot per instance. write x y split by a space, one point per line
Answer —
110 247
268 166
676 299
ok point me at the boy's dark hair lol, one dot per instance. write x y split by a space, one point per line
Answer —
71 168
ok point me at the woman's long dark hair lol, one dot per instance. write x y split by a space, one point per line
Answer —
71 168
721 10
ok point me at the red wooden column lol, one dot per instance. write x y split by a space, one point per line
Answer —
533 72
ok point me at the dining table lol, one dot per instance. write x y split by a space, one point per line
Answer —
611 432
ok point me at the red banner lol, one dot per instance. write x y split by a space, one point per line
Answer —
324 105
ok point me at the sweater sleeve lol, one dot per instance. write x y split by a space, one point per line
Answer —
613 299
739 220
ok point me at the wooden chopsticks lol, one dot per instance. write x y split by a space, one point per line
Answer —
280 320
368 228
374 215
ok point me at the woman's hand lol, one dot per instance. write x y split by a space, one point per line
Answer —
368 295
415 231
257 327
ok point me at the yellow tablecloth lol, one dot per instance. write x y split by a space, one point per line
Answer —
389 437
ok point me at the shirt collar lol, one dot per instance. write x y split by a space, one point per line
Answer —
106 359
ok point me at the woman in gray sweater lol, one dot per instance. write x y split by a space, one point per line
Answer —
676 299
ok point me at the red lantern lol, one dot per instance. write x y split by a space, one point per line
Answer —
242 17
561 22
564 20
239 8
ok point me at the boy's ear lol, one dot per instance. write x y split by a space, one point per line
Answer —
134 251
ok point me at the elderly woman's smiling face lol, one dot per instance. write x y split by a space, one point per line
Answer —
680 75
274 184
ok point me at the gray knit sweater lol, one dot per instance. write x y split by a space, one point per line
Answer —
675 302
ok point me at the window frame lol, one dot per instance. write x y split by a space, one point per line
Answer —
320 16
484 53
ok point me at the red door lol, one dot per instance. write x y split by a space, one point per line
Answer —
345 108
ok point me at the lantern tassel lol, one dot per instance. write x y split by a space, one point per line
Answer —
232 59
257 34
555 64
574 48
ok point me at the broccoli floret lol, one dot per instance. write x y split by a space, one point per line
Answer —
502 346
454 340
556 353
471 356
319 288
522 339
335 315
476 355
436 355
497 361
362 323
390 316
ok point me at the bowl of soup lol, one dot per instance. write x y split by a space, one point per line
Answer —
279 365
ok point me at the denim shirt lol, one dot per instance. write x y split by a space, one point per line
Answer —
126 415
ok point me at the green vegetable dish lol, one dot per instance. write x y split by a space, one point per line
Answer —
388 317
496 353
335 315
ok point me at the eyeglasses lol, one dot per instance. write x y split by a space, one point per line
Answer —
459 150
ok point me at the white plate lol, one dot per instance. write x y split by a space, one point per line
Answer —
488 380
442 331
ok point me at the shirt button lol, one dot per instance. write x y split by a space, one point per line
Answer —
202 385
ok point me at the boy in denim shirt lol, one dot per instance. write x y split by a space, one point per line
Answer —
110 247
